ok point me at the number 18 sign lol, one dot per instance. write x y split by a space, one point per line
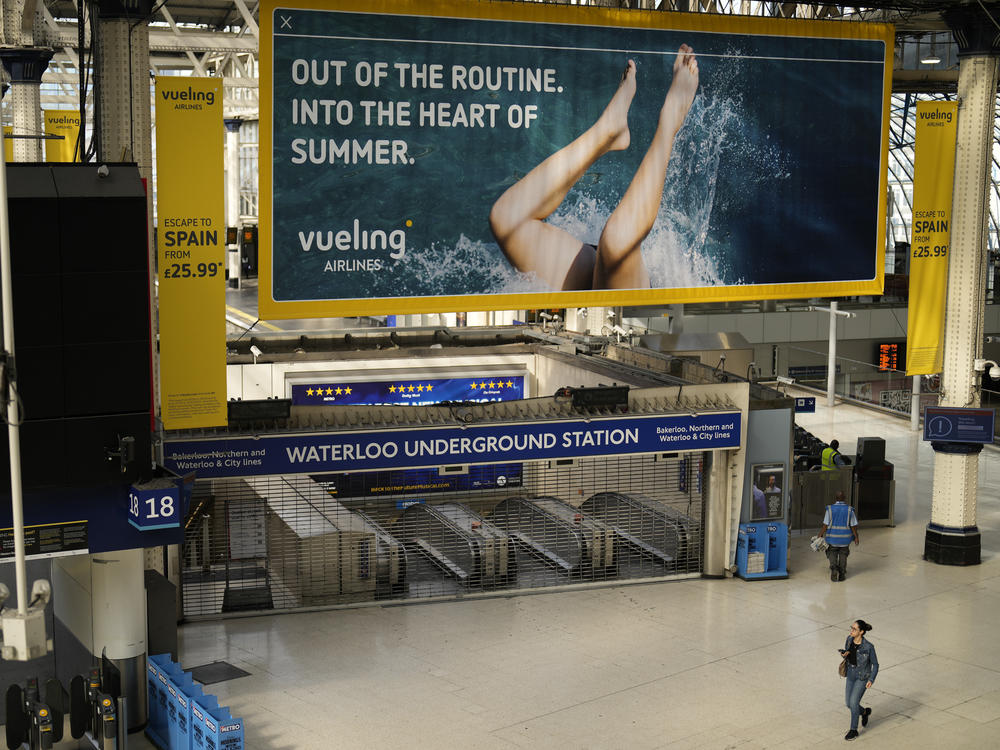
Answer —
157 504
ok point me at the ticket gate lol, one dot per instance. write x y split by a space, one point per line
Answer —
94 707
32 721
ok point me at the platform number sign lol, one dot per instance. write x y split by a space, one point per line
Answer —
154 508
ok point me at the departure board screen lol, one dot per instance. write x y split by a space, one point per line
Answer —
890 355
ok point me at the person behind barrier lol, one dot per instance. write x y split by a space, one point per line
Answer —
831 458
840 526
862 667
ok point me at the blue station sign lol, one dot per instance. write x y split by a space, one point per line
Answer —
161 503
946 424
460 444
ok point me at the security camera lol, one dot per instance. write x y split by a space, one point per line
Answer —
255 350
995 372
785 380
41 593
103 171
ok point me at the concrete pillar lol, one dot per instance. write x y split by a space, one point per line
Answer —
716 513
952 536
124 124
101 600
25 66
233 195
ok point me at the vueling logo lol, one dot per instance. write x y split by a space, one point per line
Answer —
936 115
189 95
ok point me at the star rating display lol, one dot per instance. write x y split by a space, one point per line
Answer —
410 392
328 391
494 385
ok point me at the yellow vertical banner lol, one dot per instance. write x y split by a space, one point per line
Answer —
65 123
190 251
933 176
8 144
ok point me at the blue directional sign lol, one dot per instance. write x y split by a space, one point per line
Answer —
944 424
160 503
158 508
356 450
805 405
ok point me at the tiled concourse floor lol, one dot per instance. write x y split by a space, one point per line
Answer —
683 664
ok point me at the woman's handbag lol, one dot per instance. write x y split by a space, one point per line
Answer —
842 669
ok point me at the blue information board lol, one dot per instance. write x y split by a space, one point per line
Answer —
805 405
949 424
460 444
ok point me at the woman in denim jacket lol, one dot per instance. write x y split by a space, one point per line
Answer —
862 666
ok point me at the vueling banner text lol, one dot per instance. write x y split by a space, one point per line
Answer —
66 124
190 248
933 175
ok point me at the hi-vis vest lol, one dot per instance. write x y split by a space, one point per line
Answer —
838 533
827 459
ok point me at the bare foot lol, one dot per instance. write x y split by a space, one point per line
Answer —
613 122
682 89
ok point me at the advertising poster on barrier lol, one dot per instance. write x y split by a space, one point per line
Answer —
190 249
432 156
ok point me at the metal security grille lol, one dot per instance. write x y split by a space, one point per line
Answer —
263 543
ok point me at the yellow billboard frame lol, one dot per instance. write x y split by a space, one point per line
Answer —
270 309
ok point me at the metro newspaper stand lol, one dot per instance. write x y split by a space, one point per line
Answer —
182 716
762 550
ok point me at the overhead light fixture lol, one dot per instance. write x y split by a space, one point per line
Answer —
931 58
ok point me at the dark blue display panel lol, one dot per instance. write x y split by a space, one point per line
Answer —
422 481
351 451
409 391
943 424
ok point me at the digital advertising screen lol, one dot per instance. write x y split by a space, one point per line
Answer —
435 156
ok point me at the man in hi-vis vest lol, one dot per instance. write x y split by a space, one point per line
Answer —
840 527
831 458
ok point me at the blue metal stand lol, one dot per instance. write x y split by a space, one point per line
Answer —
762 551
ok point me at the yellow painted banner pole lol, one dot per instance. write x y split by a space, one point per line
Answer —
190 251
933 178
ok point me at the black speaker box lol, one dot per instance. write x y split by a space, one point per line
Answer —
871 451
79 262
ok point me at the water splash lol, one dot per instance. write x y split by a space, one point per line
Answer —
467 265
682 250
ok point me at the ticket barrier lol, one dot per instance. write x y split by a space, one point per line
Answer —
95 707
182 716
762 551
31 721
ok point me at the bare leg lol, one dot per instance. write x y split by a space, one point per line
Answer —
517 217
619 257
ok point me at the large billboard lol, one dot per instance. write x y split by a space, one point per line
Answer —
434 156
